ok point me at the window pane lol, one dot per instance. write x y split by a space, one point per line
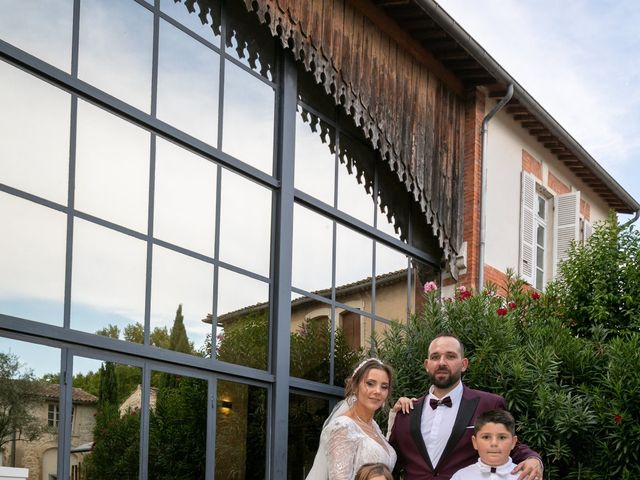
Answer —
420 274
541 207
242 336
188 82
248 41
310 339
306 417
391 283
315 159
353 268
107 400
185 198
241 431
355 180
209 30
116 40
540 258
32 246
245 223
312 246
29 376
112 168
540 235
178 427
182 292
248 118
41 28
108 281
539 279
38 165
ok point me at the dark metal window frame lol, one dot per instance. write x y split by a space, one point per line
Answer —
276 378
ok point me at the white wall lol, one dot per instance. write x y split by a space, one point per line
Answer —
506 141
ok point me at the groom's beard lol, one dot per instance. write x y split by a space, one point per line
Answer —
446 381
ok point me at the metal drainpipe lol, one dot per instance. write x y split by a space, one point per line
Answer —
483 169
635 217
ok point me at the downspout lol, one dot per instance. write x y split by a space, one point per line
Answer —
635 217
484 135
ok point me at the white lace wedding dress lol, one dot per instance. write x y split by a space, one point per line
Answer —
344 447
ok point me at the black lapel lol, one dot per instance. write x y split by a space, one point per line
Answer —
465 412
415 418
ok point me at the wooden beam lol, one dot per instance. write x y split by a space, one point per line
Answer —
533 124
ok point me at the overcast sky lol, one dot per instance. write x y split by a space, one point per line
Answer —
580 59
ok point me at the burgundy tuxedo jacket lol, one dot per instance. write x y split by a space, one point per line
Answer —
458 453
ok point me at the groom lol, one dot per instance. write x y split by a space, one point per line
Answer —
433 440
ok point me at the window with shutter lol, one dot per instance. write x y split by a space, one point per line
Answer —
566 226
527 226
587 231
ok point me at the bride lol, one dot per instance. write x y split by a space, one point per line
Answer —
350 436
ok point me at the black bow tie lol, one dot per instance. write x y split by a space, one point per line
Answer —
446 401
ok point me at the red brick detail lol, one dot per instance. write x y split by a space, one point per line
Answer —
585 209
531 165
474 113
496 277
447 282
557 185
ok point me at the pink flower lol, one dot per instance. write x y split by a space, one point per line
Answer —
462 289
501 312
512 305
617 419
430 287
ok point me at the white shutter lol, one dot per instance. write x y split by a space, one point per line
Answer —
527 224
566 225
588 230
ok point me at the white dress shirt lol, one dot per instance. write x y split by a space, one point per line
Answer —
436 424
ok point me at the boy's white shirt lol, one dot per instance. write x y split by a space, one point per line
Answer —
482 471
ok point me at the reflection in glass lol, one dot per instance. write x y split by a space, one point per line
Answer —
393 205
248 41
242 336
204 23
116 40
108 280
177 427
33 160
313 94
315 159
312 246
248 118
353 268
105 433
42 29
355 328
185 198
188 82
310 346
306 417
112 168
421 273
355 180
245 223
181 294
30 403
391 283
32 246
241 431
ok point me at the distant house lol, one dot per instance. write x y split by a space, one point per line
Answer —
41 455
133 402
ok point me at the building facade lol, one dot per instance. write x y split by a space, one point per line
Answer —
225 201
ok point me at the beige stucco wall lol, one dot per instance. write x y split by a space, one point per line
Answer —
506 141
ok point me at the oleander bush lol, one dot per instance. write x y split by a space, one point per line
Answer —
567 360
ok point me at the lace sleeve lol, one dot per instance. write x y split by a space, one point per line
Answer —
342 450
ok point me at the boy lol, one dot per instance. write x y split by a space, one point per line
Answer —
493 438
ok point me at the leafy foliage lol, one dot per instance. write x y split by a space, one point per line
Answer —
565 361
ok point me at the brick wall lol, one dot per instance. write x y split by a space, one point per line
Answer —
531 165
557 185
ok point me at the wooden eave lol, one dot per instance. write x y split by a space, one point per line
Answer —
447 48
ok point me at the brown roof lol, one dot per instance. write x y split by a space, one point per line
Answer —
52 392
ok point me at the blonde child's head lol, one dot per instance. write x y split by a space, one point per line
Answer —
373 471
